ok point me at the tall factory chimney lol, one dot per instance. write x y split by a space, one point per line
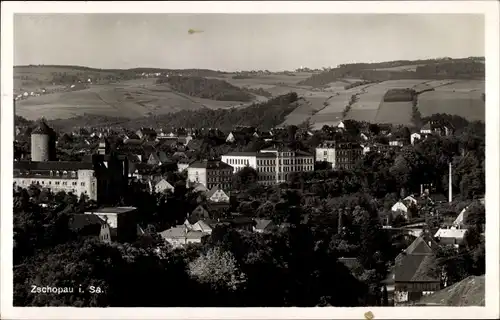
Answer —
450 185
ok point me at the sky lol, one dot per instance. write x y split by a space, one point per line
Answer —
233 42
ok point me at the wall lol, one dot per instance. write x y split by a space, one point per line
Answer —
84 182
330 155
198 175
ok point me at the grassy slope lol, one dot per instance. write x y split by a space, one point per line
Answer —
468 292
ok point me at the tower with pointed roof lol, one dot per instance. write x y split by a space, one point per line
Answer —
43 143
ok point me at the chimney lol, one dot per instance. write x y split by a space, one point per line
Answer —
450 187
421 189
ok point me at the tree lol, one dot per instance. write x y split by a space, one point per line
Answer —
219 269
244 178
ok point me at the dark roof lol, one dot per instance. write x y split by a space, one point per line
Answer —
210 164
414 264
241 154
415 268
352 264
85 224
262 224
52 165
116 210
420 246
43 128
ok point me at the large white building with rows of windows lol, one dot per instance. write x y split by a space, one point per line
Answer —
272 165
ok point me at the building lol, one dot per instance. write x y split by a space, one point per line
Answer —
183 164
102 177
68 176
412 279
90 226
415 137
436 128
272 165
210 173
163 186
122 222
182 235
341 155
216 194
264 225
450 236
43 143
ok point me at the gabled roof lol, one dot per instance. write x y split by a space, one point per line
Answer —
262 224
213 191
415 268
421 246
164 182
352 264
210 164
181 232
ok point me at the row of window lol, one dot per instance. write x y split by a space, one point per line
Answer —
222 179
286 169
219 173
57 183
242 162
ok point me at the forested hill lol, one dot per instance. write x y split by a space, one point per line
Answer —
199 87
264 116
469 68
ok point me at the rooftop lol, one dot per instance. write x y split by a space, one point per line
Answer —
112 210
43 128
210 164
52 165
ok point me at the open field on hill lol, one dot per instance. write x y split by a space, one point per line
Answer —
465 104
321 105
362 115
394 113
134 98
330 119
463 86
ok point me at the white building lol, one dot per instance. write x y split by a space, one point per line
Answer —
75 177
272 165
414 137
210 173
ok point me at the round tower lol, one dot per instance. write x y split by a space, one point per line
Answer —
43 143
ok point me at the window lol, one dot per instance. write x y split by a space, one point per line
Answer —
43 182
57 183
65 183
73 174
74 183
51 173
50 182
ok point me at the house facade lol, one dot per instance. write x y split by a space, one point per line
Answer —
413 278
272 165
341 155
210 173
121 220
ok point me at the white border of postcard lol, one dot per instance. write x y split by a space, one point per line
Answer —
489 8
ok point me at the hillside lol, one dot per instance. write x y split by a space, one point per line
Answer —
468 292
451 86
264 115
469 68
